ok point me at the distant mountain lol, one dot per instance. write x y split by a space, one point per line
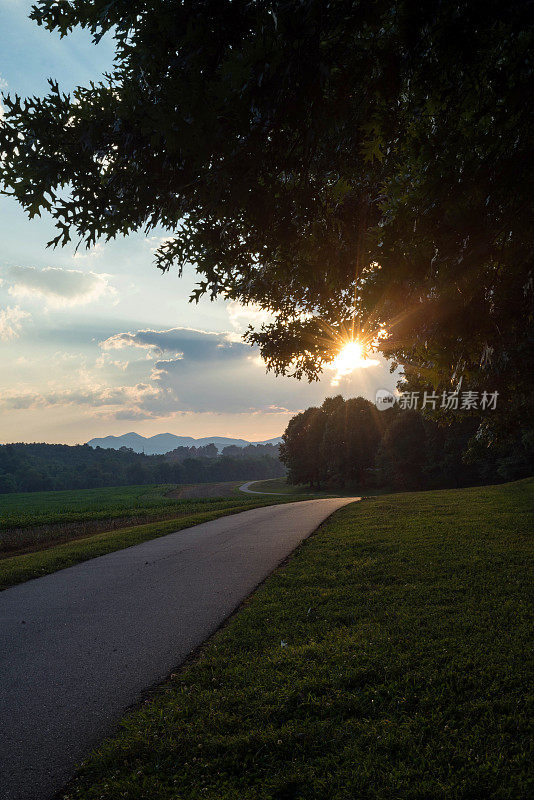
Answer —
164 442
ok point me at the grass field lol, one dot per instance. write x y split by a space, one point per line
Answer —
281 486
37 520
27 509
391 658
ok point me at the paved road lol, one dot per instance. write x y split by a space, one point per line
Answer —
78 647
246 488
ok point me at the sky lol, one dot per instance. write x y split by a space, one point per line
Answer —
99 342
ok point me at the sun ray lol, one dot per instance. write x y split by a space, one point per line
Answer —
351 356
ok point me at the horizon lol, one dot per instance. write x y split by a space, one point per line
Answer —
181 435
152 436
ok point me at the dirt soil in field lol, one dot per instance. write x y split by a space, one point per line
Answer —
225 489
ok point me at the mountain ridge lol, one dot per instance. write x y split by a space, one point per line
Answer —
164 442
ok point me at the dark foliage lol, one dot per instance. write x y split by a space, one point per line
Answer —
41 467
351 160
350 442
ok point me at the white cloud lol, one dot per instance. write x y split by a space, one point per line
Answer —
241 316
10 322
91 254
57 286
105 360
155 242
97 396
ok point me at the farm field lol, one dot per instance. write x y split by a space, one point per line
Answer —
389 658
202 490
26 509
34 520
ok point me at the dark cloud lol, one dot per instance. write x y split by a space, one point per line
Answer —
191 344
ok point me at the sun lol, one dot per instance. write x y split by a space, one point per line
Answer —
350 357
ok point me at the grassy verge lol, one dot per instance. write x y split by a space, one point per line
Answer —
388 659
280 486
33 565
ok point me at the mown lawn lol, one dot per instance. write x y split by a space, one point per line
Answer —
391 658
281 486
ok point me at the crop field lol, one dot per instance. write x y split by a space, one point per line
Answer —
27 509
33 520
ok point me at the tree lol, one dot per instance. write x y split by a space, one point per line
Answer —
136 473
208 451
350 166
301 450
404 451
333 446
365 427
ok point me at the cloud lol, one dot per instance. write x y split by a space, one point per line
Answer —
189 371
241 316
98 396
154 242
10 322
183 343
132 414
91 254
57 286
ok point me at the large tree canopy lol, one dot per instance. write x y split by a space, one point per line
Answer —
350 166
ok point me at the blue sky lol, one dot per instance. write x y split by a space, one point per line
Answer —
99 342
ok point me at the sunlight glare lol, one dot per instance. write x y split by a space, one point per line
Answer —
350 357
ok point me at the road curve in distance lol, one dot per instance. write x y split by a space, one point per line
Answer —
246 488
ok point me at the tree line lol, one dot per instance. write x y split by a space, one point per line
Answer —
44 467
250 451
352 443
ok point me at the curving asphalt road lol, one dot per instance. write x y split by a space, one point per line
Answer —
246 488
80 646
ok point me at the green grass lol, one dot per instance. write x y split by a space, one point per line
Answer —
19 568
390 659
280 486
27 509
